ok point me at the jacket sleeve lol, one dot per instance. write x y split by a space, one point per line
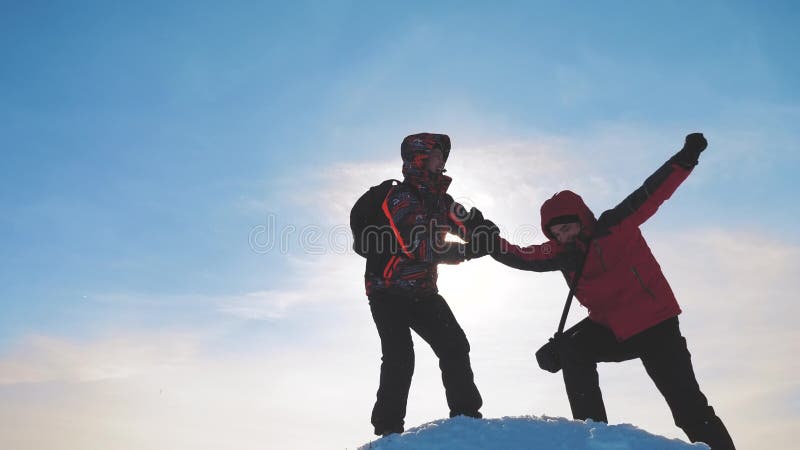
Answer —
458 221
644 201
536 258
454 252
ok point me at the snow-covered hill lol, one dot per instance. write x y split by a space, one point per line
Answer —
526 433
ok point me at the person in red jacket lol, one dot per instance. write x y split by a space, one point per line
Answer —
403 295
633 312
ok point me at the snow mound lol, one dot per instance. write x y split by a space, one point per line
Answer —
526 433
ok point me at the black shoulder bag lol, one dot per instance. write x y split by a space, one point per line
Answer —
549 356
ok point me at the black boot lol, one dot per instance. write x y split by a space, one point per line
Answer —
711 432
473 414
383 430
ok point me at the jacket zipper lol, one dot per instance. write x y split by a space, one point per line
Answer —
646 289
600 256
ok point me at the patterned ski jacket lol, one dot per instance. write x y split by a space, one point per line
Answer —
420 214
622 284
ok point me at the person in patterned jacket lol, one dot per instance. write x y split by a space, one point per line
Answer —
403 294
633 312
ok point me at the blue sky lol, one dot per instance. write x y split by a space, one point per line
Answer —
143 144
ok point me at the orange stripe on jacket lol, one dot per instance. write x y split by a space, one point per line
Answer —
394 226
389 269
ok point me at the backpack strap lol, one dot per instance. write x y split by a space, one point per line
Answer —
399 183
392 183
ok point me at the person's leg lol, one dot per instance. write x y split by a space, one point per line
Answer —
581 348
433 320
667 360
391 316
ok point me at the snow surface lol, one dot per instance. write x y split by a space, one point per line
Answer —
526 433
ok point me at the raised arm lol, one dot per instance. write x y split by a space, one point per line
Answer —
657 188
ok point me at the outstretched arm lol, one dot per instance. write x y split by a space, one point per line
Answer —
467 225
536 258
657 188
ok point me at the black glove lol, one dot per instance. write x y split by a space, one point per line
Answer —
688 155
489 228
483 240
473 219
695 142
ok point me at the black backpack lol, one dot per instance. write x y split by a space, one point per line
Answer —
372 234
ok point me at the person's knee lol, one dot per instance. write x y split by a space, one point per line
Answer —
455 346
573 355
400 359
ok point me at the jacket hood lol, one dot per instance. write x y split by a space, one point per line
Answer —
416 148
566 203
415 151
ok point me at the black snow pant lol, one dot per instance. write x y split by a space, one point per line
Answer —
395 314
667 361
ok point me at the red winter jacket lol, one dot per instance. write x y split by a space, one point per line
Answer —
622 284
